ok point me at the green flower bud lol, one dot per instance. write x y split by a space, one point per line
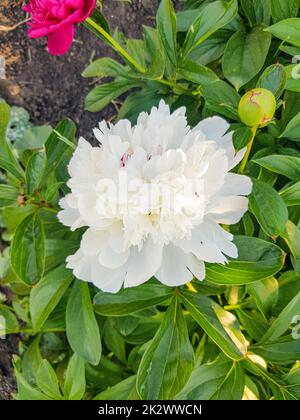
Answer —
257 107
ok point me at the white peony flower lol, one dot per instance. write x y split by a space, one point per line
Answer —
153 197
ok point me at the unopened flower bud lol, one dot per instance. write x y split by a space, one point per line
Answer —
257 107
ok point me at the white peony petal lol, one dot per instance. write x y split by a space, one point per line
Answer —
196 266
105 279
213 128
152 197
93 241
69 216
229 210
142 265
111 259
173 270
235 184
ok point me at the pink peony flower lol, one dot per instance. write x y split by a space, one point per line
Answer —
56 19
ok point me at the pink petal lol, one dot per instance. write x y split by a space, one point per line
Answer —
38 32
89 7
60 41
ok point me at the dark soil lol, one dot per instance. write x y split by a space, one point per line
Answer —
8 347
51 88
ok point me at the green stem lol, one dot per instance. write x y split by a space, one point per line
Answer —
238 305
31 331
117 47
247 154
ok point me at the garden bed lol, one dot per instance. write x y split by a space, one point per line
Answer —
51 88
169 240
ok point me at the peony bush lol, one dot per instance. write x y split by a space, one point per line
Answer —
162 262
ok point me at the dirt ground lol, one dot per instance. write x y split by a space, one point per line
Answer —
8 347
51 88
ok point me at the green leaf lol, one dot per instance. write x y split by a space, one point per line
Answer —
8 195
292 106
220 380
31 361
213 17
257 260
292 238
8 162
254 324
169 360
282 9
284 351
274 79
56 150
105 67
242 137
293 379
138 102
257 11
166 26
268 207
245 55
291 195
4 121
47 380
124 390
28 250
98 18
289 286
10 324
80 320
113 340
287 30
57 250
103 94
292 72
220 97
131 300
26 391
156 68
137 49
197 73
211 49
218 324
35 171
74 387
292 130
283 322
265 293
47 293
288 166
